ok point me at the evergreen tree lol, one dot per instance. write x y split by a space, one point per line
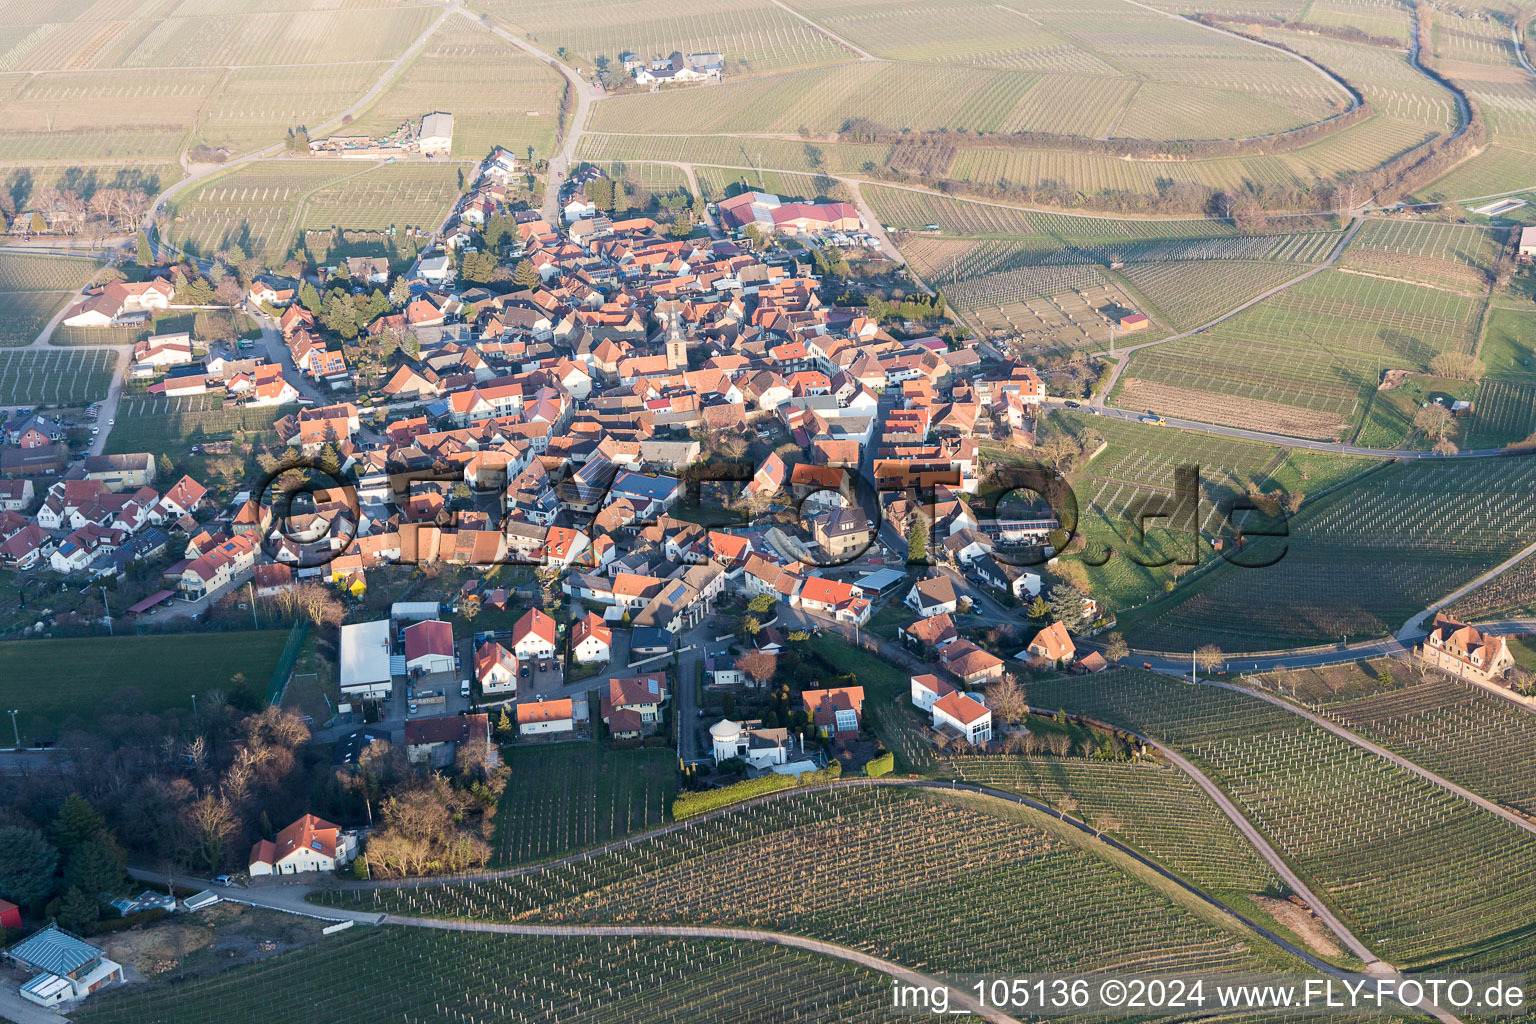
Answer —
77 911
27 862
309 297
525 276
95 868
917 540
146 256
167 468
399 292
77 821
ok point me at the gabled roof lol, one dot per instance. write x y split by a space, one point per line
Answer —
533 623
962 708
1054 642
433 636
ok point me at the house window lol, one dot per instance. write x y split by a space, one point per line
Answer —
847 721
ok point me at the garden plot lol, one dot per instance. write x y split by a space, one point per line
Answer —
169 425
55 376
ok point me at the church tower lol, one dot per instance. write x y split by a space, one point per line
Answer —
677 346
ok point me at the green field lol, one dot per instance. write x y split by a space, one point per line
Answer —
572 796
55 376
23 315
1416 871
1357 562
857 866
415 974
66 684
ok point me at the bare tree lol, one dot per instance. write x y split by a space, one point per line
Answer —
212 821
758 666
1209 657
1008 700
1115 647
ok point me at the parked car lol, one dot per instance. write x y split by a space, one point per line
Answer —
412 709
222 880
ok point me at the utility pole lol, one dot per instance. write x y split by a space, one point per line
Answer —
108 609
15 731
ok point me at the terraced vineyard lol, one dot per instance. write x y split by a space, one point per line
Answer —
1378 840
410 975
1139 465
877 869
1457 730
170 425
1155 808
1502 412
573 796
1357 562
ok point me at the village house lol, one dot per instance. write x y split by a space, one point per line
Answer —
969 663
63 967
496 669
429 647
591 640
120 300
435 739
933 596
1464 651
756 744
1052 646
541 717
834 711
309 844
631 706
964 714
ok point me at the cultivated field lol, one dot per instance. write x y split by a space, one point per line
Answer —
572 796
499 96
21 272
264 208
1315 348
859 867
255 107
24 314
1454 257
1503 412
169 425
413 974
1393 852
1155 808
1194 293
1466 734
754 35
223 33
1508 352
55 376
1357 562
59 685
732 151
